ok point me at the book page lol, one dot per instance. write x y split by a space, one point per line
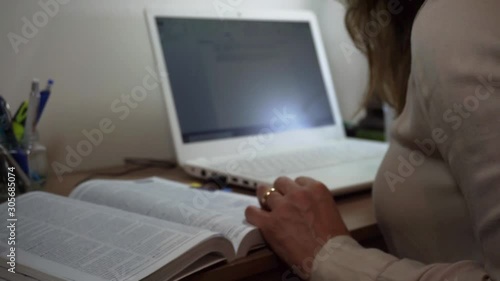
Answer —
218 211
74 240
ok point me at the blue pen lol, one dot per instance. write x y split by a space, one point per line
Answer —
44 97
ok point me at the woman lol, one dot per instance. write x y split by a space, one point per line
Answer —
437 193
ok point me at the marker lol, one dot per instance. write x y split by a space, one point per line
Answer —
196 185
200 186
30 124
19 120
21 113
10 146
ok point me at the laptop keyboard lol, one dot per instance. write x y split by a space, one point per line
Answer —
300 160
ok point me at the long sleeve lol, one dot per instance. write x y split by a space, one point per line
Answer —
343 259
454 93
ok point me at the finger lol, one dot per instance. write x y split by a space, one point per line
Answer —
305 181
285 185
256 216
273 199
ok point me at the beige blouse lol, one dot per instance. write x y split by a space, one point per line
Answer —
437 193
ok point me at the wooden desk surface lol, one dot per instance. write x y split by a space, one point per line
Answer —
356 210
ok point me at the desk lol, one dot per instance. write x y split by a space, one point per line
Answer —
262 265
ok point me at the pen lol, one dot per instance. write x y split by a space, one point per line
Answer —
44 97
30 124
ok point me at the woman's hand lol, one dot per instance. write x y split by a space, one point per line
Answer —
301 217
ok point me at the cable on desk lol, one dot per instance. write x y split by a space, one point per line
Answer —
140 163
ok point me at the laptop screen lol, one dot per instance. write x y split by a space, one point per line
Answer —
233 78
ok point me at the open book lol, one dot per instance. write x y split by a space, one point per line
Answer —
150 229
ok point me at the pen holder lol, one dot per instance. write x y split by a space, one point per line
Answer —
13 165
13 179
37 162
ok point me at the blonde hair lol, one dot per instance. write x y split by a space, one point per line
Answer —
381 29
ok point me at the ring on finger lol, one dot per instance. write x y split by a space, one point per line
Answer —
263 200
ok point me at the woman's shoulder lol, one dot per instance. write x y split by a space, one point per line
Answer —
454 23
455 49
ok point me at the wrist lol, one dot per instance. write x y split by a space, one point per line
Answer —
324 247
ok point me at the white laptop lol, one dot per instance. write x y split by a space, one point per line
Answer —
250 97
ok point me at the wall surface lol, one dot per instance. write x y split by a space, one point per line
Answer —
99 54
348 65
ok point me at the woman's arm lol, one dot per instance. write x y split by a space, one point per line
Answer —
300 226
343 259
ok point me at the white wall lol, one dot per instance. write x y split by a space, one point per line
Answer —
348 66
97 50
